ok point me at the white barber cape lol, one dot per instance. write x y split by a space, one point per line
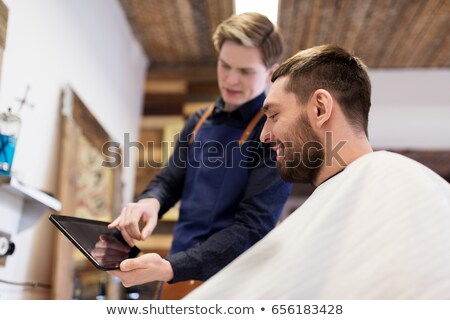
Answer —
380 229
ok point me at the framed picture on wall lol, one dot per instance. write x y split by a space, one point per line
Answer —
88 188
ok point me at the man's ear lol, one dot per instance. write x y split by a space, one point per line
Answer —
322 103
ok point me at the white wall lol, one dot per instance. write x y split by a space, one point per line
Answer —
51 43
410 109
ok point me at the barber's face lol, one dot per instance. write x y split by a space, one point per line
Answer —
299 149
241 73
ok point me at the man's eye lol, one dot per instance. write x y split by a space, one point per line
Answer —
273 116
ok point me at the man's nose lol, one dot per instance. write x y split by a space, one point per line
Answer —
266 134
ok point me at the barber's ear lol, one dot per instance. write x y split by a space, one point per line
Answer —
322 106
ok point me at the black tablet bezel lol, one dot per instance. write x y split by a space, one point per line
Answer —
56 218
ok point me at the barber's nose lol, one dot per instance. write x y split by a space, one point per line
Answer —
232 77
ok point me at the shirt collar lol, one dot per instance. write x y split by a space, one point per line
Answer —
245 111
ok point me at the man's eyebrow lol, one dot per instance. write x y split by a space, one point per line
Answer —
249 69
267 106
223 61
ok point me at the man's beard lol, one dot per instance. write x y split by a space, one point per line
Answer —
303 153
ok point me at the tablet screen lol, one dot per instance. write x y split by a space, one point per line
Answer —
104 247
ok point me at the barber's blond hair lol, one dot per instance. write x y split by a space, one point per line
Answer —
251 29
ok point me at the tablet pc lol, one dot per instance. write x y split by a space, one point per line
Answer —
85 234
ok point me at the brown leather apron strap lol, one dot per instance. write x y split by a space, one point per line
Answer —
200 123
251 125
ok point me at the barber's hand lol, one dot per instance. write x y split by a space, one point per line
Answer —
146 268
145 211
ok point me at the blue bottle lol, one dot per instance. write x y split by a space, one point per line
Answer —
9 130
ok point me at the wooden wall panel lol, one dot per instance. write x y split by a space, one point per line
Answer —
385 33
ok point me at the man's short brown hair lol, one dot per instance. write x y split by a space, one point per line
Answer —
331 68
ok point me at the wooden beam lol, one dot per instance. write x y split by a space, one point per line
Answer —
172 86
189 108
191 74
163 104
168 88
159 122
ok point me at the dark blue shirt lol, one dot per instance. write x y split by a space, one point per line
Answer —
231 195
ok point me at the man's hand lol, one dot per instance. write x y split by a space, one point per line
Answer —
146 268
145 211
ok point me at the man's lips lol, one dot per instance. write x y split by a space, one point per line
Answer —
279 149
232 91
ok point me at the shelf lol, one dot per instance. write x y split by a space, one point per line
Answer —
29 194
